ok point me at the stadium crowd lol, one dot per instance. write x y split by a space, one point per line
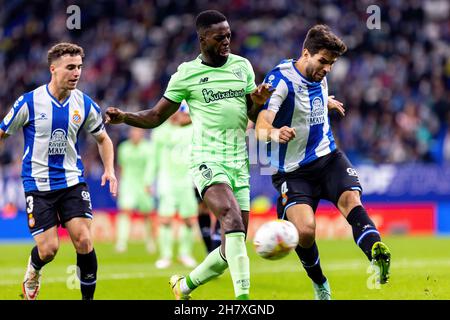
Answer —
394 81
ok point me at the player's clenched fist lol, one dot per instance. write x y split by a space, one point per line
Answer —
114 115
262 93
283 135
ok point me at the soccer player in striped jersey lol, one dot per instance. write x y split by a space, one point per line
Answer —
220 90
309 166
52 117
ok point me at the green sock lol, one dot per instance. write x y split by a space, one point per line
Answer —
213 265
165 241
186 240
123 229
236 253
148 231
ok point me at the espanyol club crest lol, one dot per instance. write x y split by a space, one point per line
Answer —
31 221
284 190
76 117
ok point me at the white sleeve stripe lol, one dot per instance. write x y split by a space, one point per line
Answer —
277 98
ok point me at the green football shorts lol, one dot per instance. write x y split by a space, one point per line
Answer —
237 177
131 198
179 199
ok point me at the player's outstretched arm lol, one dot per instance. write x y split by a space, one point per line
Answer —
266 132
106 150
257 99
146 119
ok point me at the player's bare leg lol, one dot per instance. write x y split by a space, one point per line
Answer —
302 216
47 244
209 227
221 201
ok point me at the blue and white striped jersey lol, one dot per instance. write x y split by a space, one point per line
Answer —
300 104
51 158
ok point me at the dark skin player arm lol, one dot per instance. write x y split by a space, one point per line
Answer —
146 119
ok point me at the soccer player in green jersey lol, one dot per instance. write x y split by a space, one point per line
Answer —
172 145
135 192
220 90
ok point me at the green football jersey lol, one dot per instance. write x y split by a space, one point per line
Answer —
136 164
217 106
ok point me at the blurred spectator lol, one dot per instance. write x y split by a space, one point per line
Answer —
394 81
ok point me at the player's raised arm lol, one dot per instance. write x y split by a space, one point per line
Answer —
146 119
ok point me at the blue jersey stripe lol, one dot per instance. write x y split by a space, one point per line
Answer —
316 131
29 131
330 137
60 123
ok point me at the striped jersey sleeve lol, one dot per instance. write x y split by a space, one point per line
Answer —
17 117
94 121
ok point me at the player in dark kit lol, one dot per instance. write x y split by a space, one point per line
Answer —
52 117
309 165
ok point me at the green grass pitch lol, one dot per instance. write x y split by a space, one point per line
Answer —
420 270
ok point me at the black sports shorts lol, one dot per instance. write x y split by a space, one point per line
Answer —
325 178
46 209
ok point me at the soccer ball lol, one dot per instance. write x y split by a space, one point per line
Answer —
275 239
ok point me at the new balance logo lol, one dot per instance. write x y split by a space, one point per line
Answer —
203 80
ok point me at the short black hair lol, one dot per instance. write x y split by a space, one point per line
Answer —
207 18
321 37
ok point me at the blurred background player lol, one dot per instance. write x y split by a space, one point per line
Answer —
309 165
137 173
209 225
172 146
51 117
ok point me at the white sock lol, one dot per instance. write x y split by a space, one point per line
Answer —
184 287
